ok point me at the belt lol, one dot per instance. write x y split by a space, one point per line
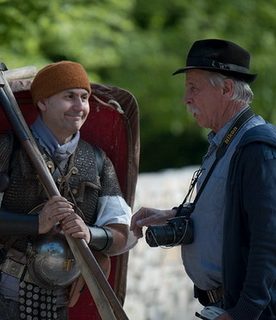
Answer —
207 297
16 269
19 271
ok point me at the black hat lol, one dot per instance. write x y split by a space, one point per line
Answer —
220 56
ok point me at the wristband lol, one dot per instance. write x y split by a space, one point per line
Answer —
101 238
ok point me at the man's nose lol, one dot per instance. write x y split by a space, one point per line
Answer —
78 103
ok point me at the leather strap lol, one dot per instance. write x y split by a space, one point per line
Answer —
244 116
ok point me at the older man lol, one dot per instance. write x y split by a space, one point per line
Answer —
232 259
90 207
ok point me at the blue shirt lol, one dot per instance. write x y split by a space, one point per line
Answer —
203 258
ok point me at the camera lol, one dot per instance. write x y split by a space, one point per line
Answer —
177 230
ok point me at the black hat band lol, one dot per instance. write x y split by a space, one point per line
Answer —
208 63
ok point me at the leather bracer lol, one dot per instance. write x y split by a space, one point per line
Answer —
101 238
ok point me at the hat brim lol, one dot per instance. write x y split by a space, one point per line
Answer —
247 77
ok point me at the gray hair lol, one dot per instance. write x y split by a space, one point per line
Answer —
242 91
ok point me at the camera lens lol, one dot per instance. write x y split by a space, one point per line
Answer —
160 235
177 231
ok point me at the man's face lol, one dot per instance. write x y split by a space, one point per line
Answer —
203 100
64 113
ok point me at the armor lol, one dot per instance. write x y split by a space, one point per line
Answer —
51 263
6 146
79 182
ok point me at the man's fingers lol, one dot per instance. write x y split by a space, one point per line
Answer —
139 217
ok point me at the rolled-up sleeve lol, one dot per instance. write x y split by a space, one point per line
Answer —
113 209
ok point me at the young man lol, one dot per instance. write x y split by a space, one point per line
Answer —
90 207
232 259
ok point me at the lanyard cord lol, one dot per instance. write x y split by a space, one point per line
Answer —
245 116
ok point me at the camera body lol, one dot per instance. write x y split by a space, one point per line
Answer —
177 230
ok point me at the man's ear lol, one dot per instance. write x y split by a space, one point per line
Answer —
228 87
41 105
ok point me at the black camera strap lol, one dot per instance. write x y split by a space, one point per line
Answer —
245 116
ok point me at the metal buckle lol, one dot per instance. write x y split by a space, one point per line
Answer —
16 269
214 295
12 268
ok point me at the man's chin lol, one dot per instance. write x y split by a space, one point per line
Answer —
199 123
77 124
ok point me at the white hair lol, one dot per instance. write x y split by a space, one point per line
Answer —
242 91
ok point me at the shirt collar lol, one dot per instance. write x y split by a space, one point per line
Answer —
216 138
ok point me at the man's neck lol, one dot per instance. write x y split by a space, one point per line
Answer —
230 112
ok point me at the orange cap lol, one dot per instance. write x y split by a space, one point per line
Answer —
57 77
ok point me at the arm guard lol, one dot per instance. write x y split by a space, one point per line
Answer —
101 238
17 224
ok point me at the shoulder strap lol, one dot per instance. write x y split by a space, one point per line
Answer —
244 117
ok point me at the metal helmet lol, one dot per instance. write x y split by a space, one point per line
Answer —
51 263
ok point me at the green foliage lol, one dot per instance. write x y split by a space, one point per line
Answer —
41 31
137 44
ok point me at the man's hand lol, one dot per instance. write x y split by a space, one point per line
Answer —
54 210
74 226
149 216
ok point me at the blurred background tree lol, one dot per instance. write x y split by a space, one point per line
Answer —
137 44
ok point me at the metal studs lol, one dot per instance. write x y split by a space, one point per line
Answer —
36 303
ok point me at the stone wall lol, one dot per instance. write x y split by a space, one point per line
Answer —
157 285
